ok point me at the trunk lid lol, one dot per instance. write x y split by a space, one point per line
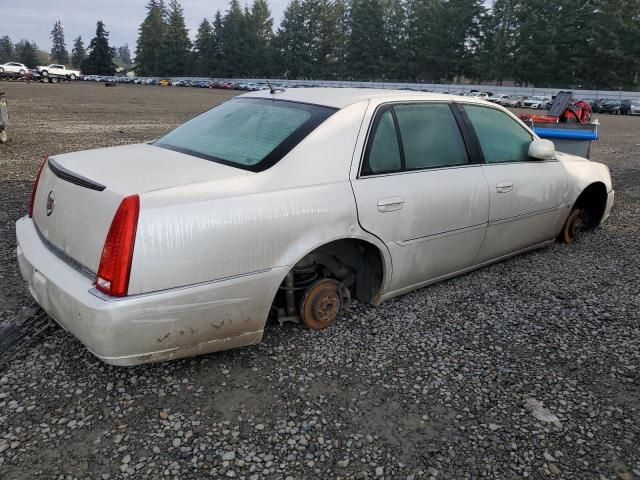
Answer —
78 193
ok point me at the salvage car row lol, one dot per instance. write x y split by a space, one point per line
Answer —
600 105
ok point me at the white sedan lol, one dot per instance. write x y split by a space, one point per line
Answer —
289 204
14 67
537 102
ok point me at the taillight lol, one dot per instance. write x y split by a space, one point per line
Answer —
117 254
35 187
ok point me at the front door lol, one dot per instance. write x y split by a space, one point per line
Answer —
527 196
419 192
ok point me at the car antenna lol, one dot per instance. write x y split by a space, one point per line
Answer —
274 90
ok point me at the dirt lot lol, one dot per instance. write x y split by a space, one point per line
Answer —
445 382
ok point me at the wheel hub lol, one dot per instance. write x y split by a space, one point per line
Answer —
321 304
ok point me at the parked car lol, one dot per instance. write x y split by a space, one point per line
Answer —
536 102
479 95
499 99
596 106
14 67
165 82
514 101
290 203
633 107
57 69
611 107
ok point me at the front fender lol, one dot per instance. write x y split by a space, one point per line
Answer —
582 172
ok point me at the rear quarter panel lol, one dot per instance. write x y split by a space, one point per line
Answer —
226 228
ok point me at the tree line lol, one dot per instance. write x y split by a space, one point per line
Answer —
546 43
99 58
577 43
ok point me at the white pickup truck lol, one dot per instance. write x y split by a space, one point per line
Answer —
59 70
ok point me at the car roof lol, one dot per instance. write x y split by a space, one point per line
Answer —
342 97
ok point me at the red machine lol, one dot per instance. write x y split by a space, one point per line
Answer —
561 111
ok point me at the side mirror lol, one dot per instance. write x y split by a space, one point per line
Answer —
542 149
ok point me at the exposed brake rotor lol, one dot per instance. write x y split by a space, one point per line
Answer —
322 303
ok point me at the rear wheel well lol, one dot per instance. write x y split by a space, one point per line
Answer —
351 257
593 202
356 268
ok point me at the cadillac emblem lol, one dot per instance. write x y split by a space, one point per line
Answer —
51 203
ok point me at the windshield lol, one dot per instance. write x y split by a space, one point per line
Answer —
248 133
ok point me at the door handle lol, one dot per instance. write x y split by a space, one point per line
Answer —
390 204
504 187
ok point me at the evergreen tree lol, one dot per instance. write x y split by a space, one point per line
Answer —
395 61
291 42
443 37
205 49
615 45
343 28
218 28
27 53
496 54
78 54
367 45
259 36
100 59
149 60
233 41
543 40
325 27
176 44
7 52
124 54
59 53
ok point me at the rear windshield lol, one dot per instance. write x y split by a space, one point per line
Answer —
248 133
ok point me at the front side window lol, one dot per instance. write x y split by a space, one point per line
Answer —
252 134
501 138
430 136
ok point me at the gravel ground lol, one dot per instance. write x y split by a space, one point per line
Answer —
528 368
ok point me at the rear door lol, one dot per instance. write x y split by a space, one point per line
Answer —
527 196
421 193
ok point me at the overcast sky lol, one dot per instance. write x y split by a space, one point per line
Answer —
34 19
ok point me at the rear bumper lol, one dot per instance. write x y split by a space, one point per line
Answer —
146 328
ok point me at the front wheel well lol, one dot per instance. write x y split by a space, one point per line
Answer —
593 202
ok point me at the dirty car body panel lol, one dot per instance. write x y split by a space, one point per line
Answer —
221 223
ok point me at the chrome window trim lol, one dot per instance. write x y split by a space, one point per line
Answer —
371 125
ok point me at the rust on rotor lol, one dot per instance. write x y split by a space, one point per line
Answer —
321 304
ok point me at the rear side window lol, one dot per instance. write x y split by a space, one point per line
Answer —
416 136
501 138
384 150
252 134
430 136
